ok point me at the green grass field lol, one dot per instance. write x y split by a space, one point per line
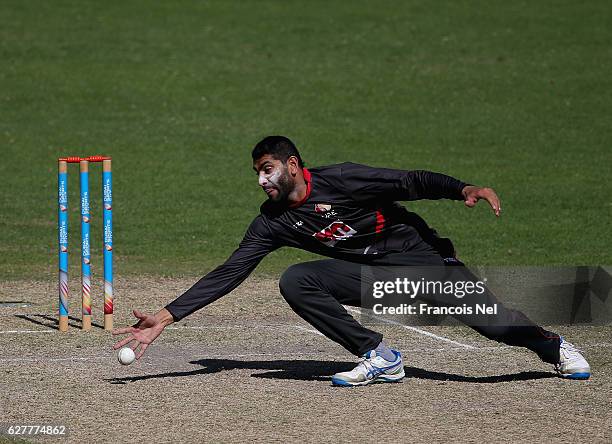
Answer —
514 95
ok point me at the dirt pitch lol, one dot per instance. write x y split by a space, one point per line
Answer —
248 369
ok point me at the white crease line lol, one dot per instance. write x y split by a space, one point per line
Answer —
203 327
417 330
151 360
278 356
225 327
91 358
195 327
288 326
310 330
228 327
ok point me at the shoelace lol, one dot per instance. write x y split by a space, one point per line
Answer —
367 365
568 349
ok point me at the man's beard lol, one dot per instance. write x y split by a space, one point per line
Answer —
284 186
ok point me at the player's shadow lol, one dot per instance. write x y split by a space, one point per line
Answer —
314 370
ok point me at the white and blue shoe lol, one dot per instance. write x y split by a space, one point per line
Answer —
372 369
572 364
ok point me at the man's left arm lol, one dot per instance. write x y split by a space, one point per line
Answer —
472 194
368 183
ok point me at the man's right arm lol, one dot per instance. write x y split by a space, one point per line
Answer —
256 244
258 241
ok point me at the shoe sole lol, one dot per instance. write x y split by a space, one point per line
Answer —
579 375
380 379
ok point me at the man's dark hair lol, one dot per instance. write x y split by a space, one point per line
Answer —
279 147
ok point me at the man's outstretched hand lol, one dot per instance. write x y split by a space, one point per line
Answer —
472 194
144 332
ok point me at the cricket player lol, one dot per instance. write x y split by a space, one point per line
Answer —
349 213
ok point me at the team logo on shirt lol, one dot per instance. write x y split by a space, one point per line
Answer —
334 232
325 211
322 208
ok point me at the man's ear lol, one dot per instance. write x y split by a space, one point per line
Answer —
293 165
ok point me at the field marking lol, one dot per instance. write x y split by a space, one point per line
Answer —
416 330
152 359
289 327
597 345
309 330
229 327
25 331
191 327
43 359
243 327
209 327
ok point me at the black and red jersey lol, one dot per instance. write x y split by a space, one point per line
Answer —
350 212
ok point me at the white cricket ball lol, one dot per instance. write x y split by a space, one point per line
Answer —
126 356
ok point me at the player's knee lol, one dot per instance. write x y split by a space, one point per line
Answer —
290 282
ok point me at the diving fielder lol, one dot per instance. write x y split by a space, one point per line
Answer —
349 212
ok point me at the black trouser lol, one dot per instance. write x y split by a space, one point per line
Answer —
316 291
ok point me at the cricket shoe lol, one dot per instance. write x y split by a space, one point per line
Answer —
572 364
372 369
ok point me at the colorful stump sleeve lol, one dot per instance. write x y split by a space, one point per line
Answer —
62 230
85 241
107 217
